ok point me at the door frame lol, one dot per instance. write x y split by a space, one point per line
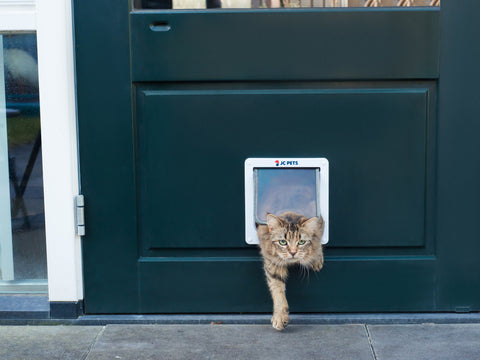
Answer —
52 21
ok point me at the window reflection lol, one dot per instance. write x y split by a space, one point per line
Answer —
282 190
258 4
24 261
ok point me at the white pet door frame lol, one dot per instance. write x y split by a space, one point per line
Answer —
276 185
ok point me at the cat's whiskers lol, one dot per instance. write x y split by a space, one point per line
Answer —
304 271
307 264
276 262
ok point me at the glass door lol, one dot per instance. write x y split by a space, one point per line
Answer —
23 266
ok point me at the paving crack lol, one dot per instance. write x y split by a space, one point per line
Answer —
370 342
100 333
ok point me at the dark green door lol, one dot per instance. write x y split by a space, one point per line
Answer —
172 102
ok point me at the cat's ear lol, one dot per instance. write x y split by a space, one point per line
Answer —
273 222
313 224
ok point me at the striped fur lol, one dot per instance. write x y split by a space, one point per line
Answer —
287 240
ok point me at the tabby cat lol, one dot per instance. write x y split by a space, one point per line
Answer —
286 240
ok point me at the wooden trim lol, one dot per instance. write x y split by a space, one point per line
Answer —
389 38
19 15
59 148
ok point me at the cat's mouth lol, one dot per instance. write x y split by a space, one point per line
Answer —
293 259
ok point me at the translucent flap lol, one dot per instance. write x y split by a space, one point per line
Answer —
281 190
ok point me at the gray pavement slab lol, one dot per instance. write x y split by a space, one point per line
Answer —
426 341
241 341
47 342
232 342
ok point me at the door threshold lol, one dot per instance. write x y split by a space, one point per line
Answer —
260 319
254 319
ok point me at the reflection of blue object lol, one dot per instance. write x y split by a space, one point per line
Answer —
281 190
24 108
12 112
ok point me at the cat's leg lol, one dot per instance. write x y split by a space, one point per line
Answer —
276 278
317 263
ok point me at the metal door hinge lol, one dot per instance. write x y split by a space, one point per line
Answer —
79 215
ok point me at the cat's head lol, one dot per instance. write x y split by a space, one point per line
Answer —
292 238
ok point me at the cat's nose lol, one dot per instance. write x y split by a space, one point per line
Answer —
293 252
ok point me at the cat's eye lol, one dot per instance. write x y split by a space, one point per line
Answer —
282 242
301 242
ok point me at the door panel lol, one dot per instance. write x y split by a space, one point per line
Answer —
192 144
335 44
192 141
225 285
166 120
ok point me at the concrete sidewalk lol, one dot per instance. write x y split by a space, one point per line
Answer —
219 341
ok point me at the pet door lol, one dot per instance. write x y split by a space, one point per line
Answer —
279 185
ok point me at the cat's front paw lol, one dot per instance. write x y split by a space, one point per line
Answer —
317 265
280 320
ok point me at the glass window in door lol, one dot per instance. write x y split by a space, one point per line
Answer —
267 4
